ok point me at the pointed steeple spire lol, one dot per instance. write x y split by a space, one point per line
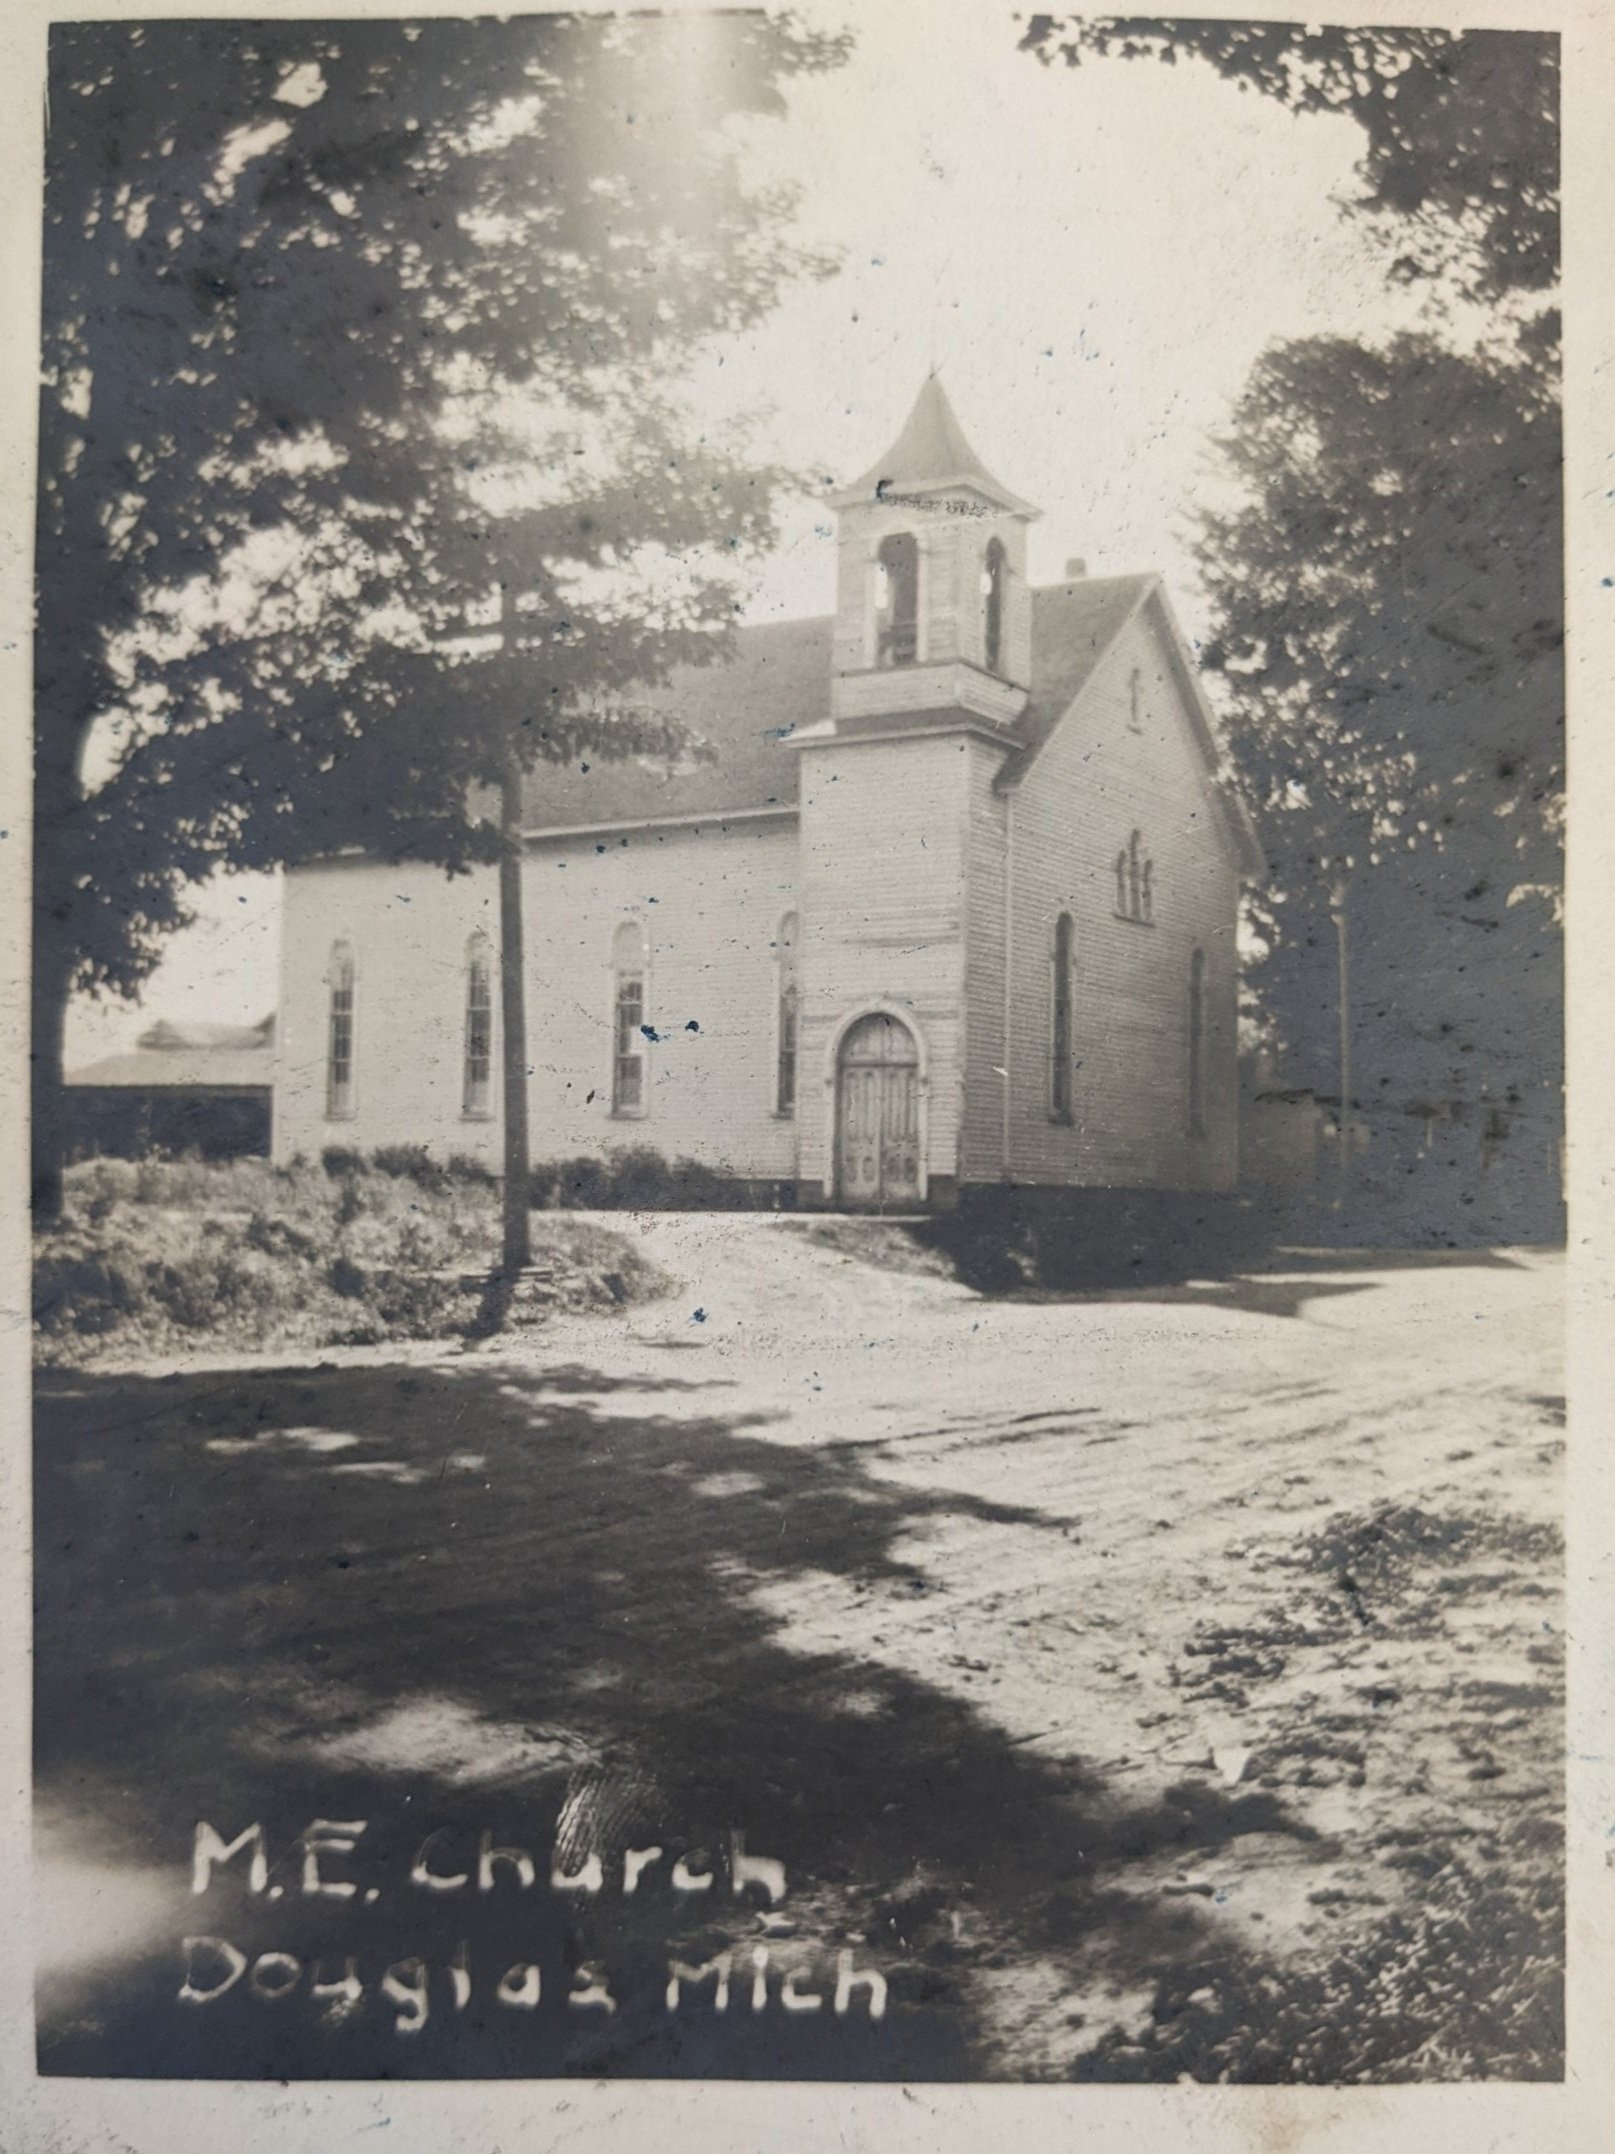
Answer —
930 455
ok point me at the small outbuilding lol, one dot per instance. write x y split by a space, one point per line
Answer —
183 1088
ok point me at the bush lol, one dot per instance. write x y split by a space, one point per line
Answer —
643 1181
636 1179
275 1237
77 1289
410 1163
572 1185
462 1167
344 1277
242 1254
341 1159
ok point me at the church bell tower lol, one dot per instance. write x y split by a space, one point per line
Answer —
932 608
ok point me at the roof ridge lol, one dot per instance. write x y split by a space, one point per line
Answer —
1085 583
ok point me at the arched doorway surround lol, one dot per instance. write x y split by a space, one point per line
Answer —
879 1093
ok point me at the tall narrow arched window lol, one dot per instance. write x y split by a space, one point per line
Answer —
628 1033
1197 1045
897 600
785 1016
476 1091
994 575
339 1035
1060 1023
1135 882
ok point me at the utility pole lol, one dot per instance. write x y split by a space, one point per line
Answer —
1343 1126
516 1194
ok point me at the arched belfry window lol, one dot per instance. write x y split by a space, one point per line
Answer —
897 600
628 957
1060 1065
785 1017
1197 1045
476 1092
339 1034
994 578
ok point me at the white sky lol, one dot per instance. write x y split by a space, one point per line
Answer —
1093 258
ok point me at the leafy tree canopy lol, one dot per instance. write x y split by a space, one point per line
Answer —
345 325
1387 598
1461 127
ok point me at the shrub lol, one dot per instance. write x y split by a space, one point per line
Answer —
642 1180
102 1181
82 1290
341 1160
574 1185
461 1167
276 1237
410 1163
188 1291
638 1179
242 1254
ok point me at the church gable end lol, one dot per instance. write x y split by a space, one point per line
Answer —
1125 891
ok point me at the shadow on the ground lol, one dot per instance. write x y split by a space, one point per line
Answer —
1139 1246
483 1597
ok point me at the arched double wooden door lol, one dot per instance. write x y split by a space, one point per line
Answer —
878 1114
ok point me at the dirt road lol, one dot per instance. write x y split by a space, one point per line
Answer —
1139 1684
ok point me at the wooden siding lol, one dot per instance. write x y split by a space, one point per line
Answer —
981 1128
1095 782
408 928
711 899
951 615
883 872
909 875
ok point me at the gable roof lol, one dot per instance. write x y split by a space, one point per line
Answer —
930 452
740 715
189 1057
743 715
1073 626
193 1069
169 1038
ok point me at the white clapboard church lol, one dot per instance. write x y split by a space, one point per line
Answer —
946 898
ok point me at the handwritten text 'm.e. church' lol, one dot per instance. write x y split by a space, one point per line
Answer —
451 1860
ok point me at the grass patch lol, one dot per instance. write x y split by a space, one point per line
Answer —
164 1256
1467 1985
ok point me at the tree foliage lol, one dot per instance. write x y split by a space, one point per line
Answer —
1391 644
1387 595
343 326
1461 143
1393 638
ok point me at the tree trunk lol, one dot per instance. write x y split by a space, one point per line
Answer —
1343 997
48 988
518 1236
55 903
